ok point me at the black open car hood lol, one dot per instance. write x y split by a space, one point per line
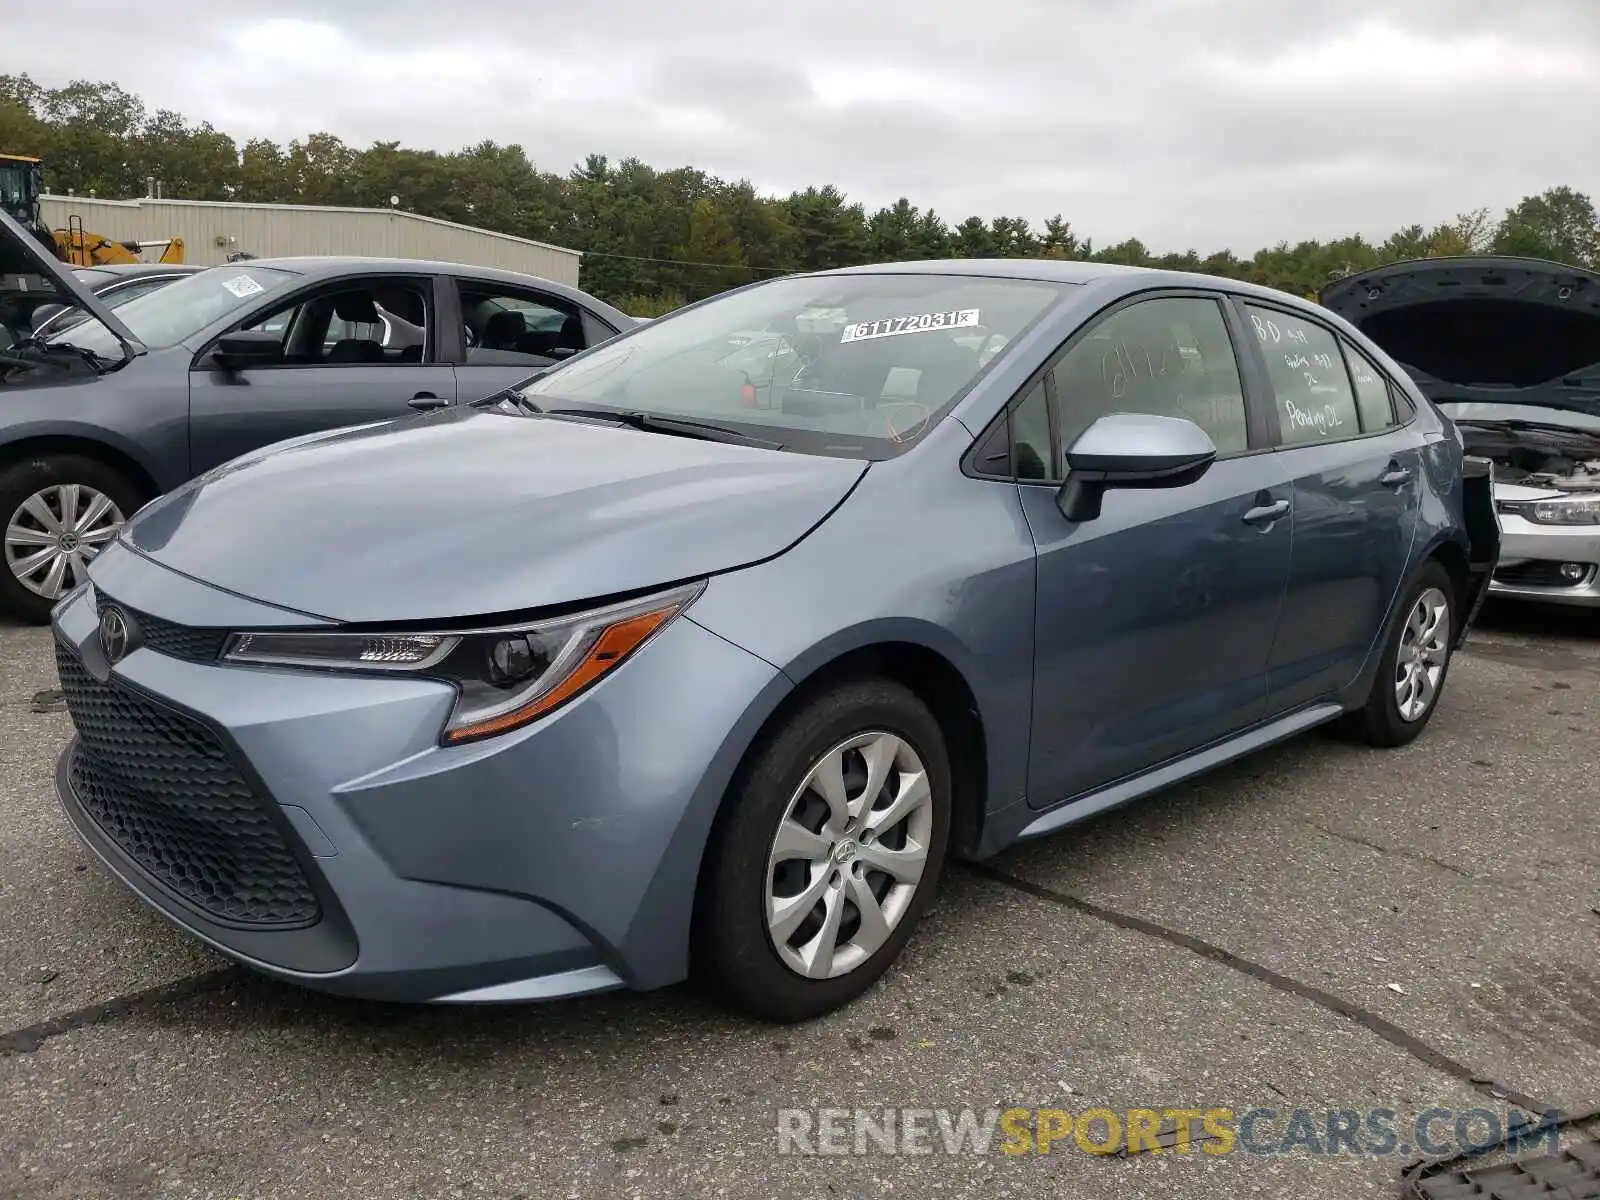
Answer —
31 276
1483 329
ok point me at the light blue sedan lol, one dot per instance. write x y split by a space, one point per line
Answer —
639 671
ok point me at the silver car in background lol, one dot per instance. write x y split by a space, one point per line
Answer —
1509 349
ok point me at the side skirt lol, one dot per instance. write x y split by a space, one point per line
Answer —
1203 760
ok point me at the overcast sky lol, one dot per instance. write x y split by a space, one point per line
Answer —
1199 123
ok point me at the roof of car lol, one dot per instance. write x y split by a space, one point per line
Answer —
321 266
124 270
1073 271
343 264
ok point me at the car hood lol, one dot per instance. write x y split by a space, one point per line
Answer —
472 513
24 257
1483 329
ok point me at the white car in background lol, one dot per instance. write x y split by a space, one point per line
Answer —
1509 349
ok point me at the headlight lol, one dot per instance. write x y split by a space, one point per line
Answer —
505 677
1568 510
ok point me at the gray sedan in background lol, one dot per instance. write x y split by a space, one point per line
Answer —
113 285
641 671
103 414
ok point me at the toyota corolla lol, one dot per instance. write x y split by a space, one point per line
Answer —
671 663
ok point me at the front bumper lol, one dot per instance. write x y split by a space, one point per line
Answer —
556 860
1531 557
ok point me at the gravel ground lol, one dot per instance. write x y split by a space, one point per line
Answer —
1319 927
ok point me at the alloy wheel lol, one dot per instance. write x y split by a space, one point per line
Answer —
1423 655
55 533
848 855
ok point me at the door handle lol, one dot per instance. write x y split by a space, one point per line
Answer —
1265 514
1395 476
426 402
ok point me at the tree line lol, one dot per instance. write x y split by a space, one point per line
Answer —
655 239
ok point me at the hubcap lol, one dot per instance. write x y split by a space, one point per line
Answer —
1424 651
54 534
849 855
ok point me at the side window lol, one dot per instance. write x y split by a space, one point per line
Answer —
276 323
1374 396
1030 437
1309 380
375 322
378 322
122 295
1170 357
514 327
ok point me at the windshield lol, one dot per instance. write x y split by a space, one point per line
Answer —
851 364
166 316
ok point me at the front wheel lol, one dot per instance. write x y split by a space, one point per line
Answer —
1415 661
61 511
827 855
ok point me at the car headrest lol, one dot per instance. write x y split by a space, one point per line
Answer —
504 328
356 308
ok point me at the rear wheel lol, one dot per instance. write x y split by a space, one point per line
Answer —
827 855
61 511
1415 661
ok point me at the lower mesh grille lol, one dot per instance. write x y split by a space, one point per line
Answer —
165 790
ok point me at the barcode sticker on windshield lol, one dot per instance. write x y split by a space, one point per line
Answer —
242 286
956 318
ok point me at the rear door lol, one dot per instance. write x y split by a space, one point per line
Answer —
358 350
1355 463
508 333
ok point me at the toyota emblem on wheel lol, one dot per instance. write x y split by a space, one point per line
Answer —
113 634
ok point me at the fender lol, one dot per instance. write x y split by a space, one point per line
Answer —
13 439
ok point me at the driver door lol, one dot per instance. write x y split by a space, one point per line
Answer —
355 351
1154 621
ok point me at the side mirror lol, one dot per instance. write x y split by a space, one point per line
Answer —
1131 450
247 348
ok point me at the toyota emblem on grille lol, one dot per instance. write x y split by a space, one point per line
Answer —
113 634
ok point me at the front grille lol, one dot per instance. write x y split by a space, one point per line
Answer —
1540 572
163 788
165 637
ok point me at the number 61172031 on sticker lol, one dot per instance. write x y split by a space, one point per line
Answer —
861 331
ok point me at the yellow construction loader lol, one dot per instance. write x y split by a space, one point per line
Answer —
22 185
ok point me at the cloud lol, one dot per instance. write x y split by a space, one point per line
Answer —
1200 123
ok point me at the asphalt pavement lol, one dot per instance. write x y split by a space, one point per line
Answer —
1322 928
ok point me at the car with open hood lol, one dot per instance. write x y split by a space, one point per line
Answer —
99 415
675 662
1509 349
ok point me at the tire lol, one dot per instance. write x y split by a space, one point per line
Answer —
1380 721
40 478
733 952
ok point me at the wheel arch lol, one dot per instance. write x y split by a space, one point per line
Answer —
1446 550
922 659
97 445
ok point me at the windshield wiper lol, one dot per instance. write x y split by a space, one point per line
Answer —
677 426
39 346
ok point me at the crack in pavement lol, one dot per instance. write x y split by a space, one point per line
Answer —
1368 1020
29 1039
1397 851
